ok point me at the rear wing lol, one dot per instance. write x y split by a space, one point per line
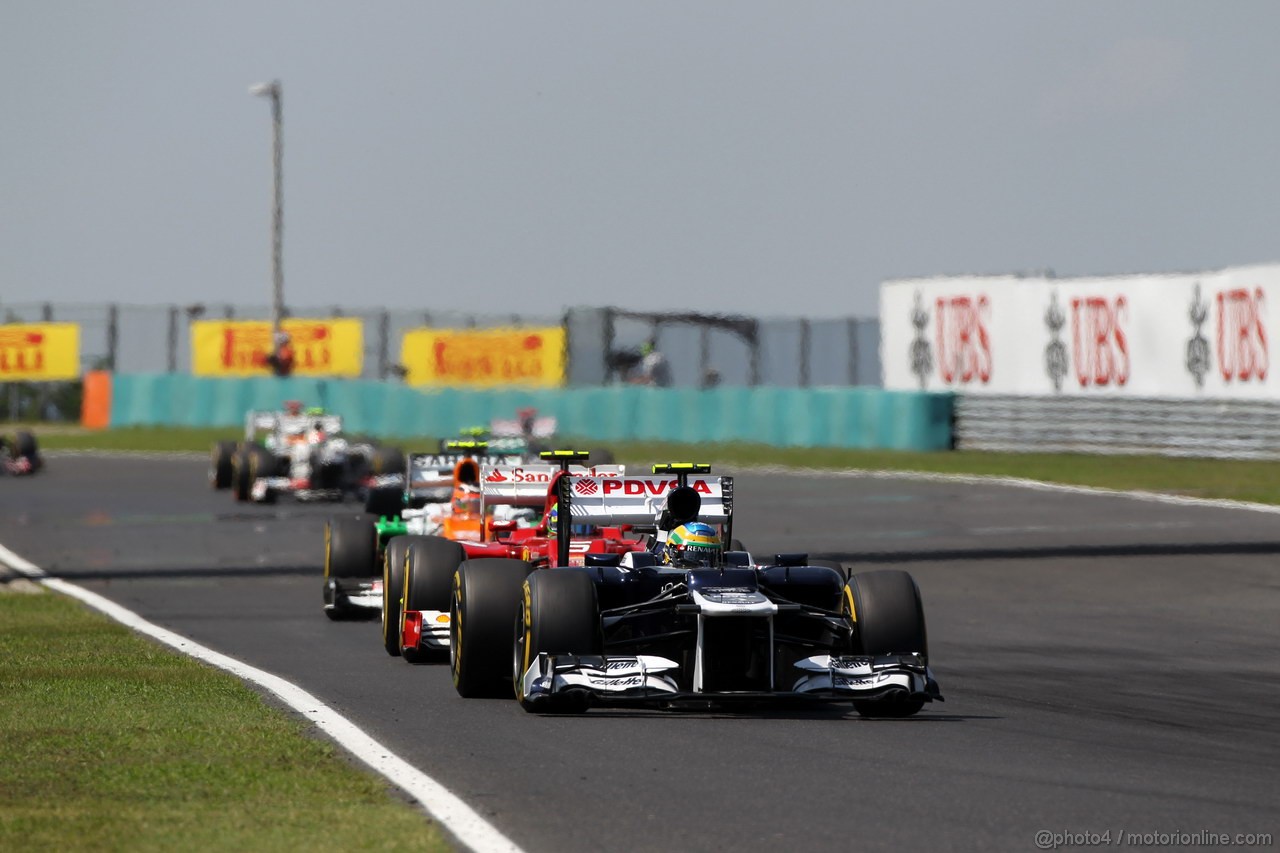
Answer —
607 502
542 426
431 474
526 484
260 421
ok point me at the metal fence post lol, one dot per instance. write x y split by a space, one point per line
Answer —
852 340
113 335
384 343
704 355
804 353
607 349
173 339
566 322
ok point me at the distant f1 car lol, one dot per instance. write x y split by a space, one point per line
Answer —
21 456
639 629
416 568
438 496
300 453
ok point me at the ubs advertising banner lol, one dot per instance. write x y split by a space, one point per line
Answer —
38 352
484 357
1203 335
332 347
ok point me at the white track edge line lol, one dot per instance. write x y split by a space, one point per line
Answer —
459 819
1016 482
866 473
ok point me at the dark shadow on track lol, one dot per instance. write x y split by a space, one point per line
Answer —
185 573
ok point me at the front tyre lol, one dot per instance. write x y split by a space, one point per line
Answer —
482 616
889 619
220 464
428 581
393 559
559 614
241 475
350 551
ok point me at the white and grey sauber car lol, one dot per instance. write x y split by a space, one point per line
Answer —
631 629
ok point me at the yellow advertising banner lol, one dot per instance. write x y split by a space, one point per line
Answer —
35 352
332 347
484 357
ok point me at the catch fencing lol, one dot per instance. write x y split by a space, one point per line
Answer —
702 350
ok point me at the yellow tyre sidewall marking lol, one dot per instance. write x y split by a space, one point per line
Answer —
455 644
386 596
327 547
404 597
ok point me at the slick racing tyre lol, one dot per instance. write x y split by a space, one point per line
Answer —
220 464
890 620
388 460
482 619
428 581
350 551
835 566
392 589
261 464
384 501
558 615
241 475
24 444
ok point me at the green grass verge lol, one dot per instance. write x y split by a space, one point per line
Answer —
112 742
1243 480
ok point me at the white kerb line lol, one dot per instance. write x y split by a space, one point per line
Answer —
459 819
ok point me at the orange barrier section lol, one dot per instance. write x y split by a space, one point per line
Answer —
95 407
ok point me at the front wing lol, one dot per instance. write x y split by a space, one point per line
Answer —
353 595
650 680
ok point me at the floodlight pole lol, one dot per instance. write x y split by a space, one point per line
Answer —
272 90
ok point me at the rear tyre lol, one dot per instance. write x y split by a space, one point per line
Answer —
384 501
482 618
428 581
834 565
24 444
558 614
392 589
220 468
388 460
890 620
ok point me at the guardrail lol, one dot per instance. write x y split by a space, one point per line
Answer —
1208 428
869 418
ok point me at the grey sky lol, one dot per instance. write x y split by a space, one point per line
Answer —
768 158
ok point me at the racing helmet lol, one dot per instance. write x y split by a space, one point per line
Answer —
553 518
693 544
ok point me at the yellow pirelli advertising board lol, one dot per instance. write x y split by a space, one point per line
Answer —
333 347
36 352
484 357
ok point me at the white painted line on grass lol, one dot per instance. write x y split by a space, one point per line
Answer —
451 812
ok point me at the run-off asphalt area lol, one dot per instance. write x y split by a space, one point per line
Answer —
1109 664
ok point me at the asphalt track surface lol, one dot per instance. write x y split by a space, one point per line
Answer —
1108 664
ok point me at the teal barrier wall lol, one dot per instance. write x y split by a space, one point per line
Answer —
868 418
